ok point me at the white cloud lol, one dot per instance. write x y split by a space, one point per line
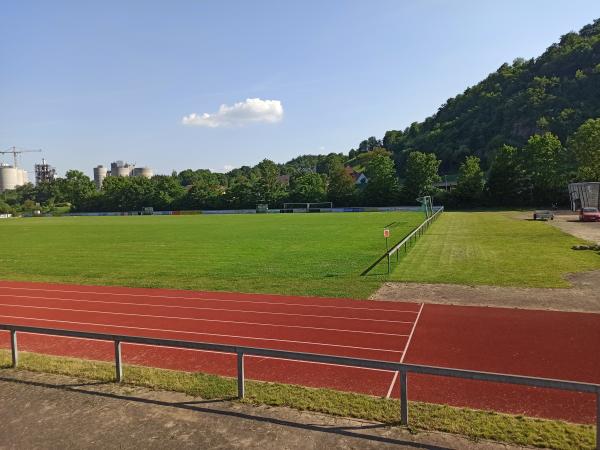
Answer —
228 167
252 110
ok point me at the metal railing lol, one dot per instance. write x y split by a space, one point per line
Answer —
402 368
404 242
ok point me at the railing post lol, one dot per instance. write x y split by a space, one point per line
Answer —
240 375
14 351
403 398
598 420
389 263
118 365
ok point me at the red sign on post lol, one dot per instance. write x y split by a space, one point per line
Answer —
386 233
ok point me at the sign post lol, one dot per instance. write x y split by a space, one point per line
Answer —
386 235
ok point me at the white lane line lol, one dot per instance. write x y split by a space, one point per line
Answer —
412 332
389 392
205 298
201 308
49 308
405 349
259 359
201 334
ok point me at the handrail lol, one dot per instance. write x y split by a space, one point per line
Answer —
402 368
396 248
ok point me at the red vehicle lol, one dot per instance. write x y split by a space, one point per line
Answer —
589 215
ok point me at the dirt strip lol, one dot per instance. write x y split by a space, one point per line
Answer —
51 411
584 296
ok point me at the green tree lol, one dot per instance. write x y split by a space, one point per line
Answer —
127 193
383 188
269 188
205 194
309 187
506 181
341 189
543 159
75 188
470 182
168 192
5 208
421 174
585 146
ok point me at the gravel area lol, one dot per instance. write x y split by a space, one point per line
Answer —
51 411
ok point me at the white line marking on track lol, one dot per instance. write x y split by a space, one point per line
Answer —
405 350
258 358
202 334
202 308
203 298
412 332
389 392
91 311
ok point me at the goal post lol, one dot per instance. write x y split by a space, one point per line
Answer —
307 206
427 205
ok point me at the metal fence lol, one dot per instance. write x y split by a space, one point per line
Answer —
402 368
413 235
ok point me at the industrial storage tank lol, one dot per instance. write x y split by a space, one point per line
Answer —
145 172
9 177
123 171
100 173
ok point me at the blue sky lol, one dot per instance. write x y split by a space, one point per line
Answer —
92 82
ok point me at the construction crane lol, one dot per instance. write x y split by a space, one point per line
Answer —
17 151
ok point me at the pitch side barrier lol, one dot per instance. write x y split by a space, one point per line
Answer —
348 209
413 235
402 368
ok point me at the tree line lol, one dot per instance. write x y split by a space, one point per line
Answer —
534 174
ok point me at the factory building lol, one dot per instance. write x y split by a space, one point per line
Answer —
12 177
44 172
120 169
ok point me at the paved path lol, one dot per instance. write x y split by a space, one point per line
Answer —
50 411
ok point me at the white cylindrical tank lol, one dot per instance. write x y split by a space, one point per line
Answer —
145 172
23 177
121 171
9 178
99 176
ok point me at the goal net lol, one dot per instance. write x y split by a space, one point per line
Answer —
307 207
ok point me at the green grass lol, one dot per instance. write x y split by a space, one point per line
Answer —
474 424
301 254
494 248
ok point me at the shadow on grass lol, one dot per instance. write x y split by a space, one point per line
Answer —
347 431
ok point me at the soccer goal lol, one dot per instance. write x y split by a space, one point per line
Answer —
427 205
307 207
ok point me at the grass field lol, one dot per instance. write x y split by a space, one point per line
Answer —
301 254
491 248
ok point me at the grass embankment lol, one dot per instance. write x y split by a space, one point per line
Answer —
422 416
494 248
297 254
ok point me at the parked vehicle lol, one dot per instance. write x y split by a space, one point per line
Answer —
543 214
589 215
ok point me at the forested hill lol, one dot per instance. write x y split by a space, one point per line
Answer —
555 92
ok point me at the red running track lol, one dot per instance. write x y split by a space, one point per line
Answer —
525 342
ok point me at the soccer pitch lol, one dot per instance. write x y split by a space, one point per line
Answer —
301 254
